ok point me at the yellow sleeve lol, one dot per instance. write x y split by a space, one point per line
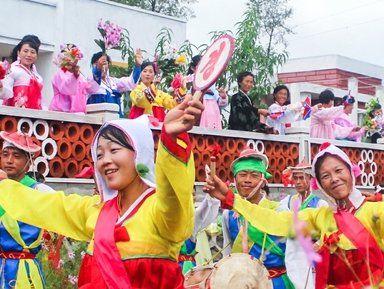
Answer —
68 215
270 221
175 176
138 97
165 100
265 203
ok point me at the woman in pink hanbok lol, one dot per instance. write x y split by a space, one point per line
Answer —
323 116
70 88
345 128
213 100
22 86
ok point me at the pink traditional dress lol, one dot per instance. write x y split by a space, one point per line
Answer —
70 92
22 87
344 129
322 121
211 116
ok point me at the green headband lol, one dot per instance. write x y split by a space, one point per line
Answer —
251 164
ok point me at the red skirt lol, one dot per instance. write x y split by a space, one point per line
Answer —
144 273
349 270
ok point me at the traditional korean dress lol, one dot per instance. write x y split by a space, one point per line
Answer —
19 245
322 122
70 93
140 248
299 271
211 116
343 129
111 88
280 115
22 87
160 102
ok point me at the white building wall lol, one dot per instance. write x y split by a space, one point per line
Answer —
74 21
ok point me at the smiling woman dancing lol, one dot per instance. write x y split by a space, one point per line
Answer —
137 228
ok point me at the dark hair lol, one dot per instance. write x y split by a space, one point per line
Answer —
351 99
68 46
281 87
377 106
116 135
98 55
320 161
36 176
243 75
326 96
31 40
148 63
194 62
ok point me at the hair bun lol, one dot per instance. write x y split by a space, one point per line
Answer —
31 38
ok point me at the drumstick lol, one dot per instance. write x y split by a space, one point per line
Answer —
212 166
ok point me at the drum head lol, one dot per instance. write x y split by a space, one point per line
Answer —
239 271
197 277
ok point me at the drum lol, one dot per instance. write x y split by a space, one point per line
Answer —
237 270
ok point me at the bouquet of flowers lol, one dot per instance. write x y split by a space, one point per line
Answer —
178 87
112 35
68 57
4 67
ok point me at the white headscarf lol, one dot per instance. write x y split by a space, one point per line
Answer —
140 137
355 197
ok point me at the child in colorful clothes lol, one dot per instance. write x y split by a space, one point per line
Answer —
298 270
111 88
322 118
350 231
137 225
19 242
213 100
345 128
146 98
22 86
250 172
70 89
281 112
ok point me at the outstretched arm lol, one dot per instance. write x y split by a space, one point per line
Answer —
69 215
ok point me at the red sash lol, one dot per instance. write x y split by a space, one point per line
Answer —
366 260
105 252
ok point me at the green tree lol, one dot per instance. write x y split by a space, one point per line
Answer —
176 8
260 44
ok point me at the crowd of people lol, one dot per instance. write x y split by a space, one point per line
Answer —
142 226
72 91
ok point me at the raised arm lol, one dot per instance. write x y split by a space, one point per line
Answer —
175 173
69 215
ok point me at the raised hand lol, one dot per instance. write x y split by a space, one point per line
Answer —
183 116
216 188
138 57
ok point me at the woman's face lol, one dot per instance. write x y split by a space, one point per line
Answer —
335 178
27 55
147 75
116 164
281 96
102 62
377 112
348 108
246 84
